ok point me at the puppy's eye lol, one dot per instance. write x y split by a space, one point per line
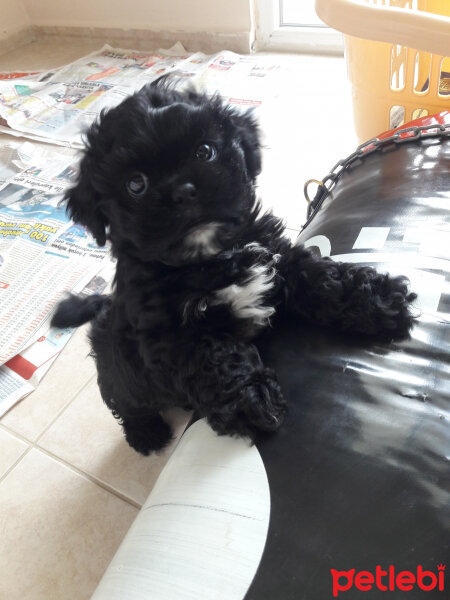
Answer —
137 185
206 152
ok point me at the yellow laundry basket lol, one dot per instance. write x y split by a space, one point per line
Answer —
398 58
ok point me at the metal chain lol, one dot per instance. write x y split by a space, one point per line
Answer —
419 132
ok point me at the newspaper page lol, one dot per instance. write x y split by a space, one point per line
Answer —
34 75
43 255
58 107
21 374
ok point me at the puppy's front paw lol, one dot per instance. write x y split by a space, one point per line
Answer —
259 406
147 434
255 254
392 310
240 262
262 401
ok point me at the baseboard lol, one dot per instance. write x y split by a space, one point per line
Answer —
143 39
18 39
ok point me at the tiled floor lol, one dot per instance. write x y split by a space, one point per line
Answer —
69 484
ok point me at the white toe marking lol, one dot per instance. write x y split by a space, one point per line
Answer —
247 300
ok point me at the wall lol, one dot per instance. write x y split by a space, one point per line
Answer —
13 19
207 25
224 16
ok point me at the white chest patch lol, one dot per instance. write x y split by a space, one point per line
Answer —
247 300
202 241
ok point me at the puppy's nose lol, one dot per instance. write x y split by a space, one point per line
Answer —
186 192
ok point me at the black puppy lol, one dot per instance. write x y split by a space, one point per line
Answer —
169 178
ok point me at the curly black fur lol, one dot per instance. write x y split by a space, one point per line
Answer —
168 177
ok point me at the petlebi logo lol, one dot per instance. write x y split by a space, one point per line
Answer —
388 580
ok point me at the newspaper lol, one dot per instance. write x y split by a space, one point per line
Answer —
59 106
20 75
43 255
20 375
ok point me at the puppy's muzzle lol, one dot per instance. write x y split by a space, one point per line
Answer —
185 193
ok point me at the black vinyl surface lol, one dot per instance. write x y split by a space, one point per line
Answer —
360 472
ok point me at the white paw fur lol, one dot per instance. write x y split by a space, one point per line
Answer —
247 300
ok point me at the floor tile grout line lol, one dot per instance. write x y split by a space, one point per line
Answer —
9 429
63 409
35 444
14 465
19 436
97 480
67 464
89 477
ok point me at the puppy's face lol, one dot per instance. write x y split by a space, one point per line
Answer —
170 174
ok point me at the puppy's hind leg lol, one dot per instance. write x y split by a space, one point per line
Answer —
126 394
145 430
146 433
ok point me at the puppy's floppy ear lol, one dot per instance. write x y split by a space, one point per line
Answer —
82 203
248 133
